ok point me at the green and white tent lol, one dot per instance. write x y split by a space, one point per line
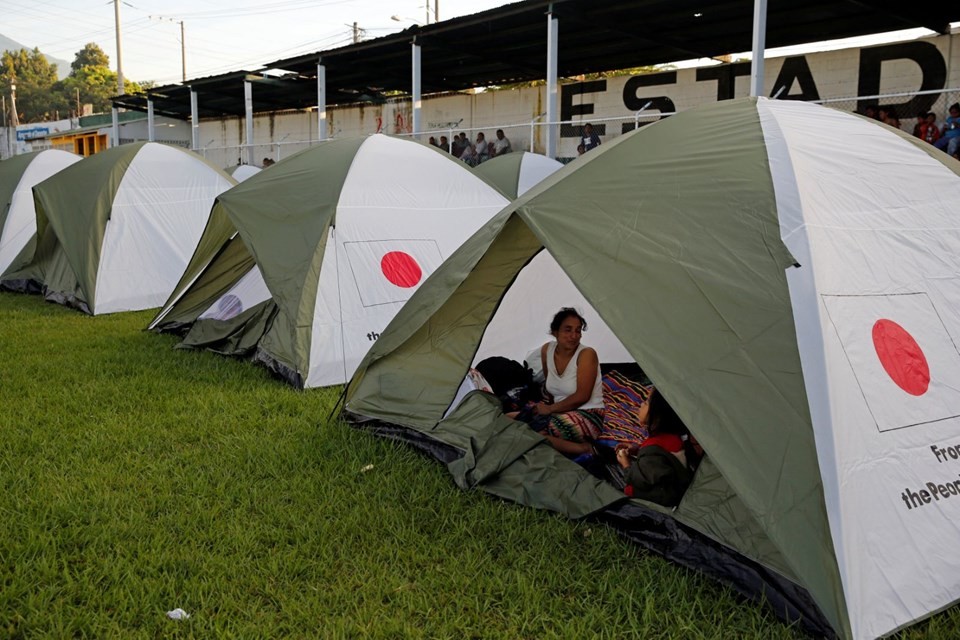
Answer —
516 173
115 231
789 277
304 264
18 218
241 172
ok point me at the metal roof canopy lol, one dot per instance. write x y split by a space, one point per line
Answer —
508 44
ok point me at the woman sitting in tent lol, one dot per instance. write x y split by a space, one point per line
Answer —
571 415
661 469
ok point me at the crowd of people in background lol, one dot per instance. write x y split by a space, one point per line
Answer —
481 150
945 138
473 153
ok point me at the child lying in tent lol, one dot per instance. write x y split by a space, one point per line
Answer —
661 467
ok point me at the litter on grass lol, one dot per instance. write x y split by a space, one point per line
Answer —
178 614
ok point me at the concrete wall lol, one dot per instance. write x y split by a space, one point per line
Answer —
837 77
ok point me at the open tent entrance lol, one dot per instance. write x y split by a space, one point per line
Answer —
521 320
499 302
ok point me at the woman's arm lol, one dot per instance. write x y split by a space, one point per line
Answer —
587 366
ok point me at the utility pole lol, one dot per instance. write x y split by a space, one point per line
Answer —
356 33
436 10
183 41
116 14
183 50
5 149
14 117
14 120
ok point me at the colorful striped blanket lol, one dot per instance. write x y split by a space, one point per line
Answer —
622 398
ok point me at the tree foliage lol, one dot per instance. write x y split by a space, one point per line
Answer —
35 80
90 56
41 97
92 81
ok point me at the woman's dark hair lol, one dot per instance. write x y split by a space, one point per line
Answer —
563 314
661 418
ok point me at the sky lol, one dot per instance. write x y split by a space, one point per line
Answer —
221 35
230 35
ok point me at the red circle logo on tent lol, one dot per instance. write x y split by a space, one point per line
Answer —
901 357
401 269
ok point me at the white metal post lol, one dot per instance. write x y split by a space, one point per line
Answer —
552 44
120 84
115 117
248 105
321 101
759 44
194 121
416 88
151 133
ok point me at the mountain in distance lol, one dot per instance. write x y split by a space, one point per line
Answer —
63 66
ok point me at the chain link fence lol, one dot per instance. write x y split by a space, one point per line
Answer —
907 107
532 135
231 155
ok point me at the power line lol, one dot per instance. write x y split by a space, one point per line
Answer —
235 64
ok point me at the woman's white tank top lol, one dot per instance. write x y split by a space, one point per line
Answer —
563 386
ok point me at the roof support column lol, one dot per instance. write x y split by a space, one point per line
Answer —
151 132
759 45
321 101
115 117
552 46
417 99
194 121
248 107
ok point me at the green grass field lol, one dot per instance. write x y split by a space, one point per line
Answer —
135 479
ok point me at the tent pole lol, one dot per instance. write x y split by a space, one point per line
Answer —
552 44
416 87
321 100
759 44
248 106
194 121
151 133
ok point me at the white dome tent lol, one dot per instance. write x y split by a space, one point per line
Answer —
332 242
18 218
118 228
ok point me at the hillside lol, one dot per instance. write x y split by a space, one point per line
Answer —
63 66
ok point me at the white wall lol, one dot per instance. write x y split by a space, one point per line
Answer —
167 130
904 67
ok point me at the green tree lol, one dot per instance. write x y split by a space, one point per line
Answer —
91 81
36 80
90 56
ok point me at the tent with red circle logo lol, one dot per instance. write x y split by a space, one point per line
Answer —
788 275
303 265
